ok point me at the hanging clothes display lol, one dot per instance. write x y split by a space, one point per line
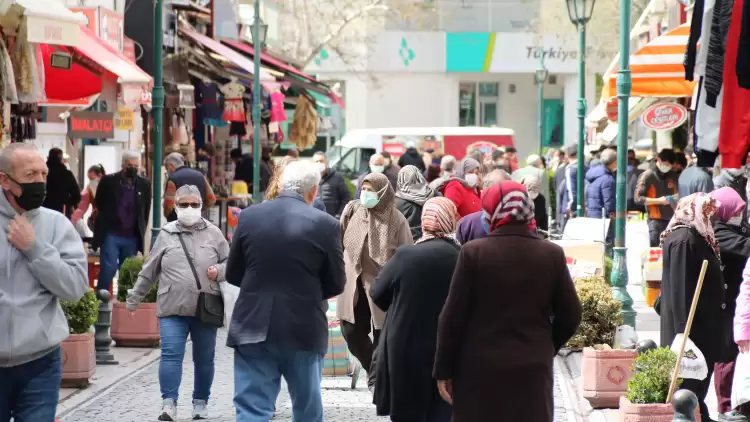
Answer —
277 106
743 60
207 101
8 87
23 122
303 132
234 110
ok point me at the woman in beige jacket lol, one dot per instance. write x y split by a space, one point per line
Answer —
372 230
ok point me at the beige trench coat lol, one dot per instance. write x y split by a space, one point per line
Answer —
370 270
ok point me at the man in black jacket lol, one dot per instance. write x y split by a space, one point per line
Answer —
332 190
412 158
123 201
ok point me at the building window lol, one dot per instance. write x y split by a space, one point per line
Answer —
478 104
467 111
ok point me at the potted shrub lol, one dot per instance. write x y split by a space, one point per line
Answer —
648 388
605 370
139 328
78 354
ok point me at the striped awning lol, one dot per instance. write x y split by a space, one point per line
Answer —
657 68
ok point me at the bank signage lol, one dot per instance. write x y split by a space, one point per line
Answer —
91 125
664 116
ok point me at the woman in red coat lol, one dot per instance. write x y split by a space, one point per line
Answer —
463 187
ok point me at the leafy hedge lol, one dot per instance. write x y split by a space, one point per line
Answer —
653 373
601 313
81 314
128 276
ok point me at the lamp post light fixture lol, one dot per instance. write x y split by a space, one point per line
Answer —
541 77
259 31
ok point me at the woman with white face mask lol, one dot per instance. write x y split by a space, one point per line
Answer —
189 260
463 187
95 174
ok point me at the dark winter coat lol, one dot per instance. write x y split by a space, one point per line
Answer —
540 213
634 173
683 253
412 287
499 327
107 203
694 179
63 193
333 192
734 243
412 211
600 192
412 158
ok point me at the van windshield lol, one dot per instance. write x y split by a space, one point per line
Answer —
335 153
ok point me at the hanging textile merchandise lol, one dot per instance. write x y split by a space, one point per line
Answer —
305 124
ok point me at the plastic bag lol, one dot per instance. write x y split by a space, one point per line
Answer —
693 364
229 293
625 337
741 380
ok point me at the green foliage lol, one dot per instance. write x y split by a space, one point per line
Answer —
552 200
82 313
128 276
351 187
608 263
601 313
653 373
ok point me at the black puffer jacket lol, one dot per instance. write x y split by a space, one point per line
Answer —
412 157
413 213
734 245
333 192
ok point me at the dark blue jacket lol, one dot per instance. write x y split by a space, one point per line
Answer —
570 188
600 192
287 259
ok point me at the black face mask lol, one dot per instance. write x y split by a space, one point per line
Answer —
131 172
32 194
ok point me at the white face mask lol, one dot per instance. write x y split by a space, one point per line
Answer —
664 167
93 184
735 221
377 169
472 179
188 216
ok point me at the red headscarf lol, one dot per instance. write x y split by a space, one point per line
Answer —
508 202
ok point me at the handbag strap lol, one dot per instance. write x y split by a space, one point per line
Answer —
190 260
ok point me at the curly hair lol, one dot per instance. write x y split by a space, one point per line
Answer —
274 185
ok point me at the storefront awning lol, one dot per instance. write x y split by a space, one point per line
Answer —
657 68
57 81
102 54
47 21
217 47
636 106
267 59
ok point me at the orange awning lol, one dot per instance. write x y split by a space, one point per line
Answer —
657 68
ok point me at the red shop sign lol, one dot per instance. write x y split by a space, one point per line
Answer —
91 125
664 116
612 109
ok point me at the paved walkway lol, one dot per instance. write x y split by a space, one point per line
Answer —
137 399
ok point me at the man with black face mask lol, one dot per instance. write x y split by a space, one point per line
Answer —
43 262
123 201
657 190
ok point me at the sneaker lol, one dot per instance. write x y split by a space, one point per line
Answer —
199 409
732 416
168 410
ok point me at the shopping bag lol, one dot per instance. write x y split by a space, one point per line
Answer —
229 293
741 381
693 363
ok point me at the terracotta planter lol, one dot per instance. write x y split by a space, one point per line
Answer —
653 288
135 329
630 412
605 375
78 360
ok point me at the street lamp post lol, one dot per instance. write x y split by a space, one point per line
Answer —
541 77
157 112
259 31
580 13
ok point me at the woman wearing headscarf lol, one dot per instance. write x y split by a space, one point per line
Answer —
412 288
274 185
534 186
507 314
463 187
411 195
733 234
372 229
688 240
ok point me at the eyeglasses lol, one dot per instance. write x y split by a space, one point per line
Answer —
184 205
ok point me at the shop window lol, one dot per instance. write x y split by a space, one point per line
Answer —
488 113
467 104
488 90
478 103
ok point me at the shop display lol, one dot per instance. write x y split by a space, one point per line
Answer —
23 122
305 125
234 110
207 101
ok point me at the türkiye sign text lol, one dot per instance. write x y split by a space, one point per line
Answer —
91 125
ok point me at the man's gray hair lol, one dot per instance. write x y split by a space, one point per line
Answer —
176 159
374 157
534 160
320 154
300 177
494 177
608 156
6 155
448 163
130 155
187 191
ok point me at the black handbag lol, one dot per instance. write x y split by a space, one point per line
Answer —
210 309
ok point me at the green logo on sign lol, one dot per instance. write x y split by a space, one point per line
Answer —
406 53
323 55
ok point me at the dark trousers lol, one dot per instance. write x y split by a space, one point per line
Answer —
357 335
440 412
700 389
655 228
29 392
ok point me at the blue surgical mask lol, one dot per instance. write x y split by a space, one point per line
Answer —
485 223
369 199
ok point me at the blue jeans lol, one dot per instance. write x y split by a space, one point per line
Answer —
174 331
257 380
114 251
29 392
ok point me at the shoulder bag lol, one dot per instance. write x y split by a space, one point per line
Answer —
210 309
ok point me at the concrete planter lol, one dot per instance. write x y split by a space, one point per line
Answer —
658 412
605 375
135 329
78 360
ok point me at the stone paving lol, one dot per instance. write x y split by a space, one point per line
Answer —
137 399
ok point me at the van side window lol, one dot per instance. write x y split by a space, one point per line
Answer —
364 163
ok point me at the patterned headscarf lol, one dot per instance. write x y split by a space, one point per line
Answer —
460 171
374 225
730 202
412 186
508 202
439 217
533 185
695 211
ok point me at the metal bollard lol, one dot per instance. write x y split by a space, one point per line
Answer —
684 403
102 340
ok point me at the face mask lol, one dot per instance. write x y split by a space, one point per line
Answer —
188 216
735 221
93 184
369 199
32 194
131 172
322 167
664 167
485 223
377 169
472 179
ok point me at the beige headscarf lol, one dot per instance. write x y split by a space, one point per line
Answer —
374 225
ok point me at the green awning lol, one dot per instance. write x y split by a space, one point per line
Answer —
322 101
